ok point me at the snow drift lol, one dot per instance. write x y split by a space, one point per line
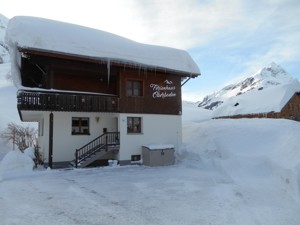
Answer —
15 164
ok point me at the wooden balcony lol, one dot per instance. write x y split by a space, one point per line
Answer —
66 101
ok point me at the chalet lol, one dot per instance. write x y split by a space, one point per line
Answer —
275 102
95 95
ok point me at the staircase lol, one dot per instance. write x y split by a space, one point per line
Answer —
96 149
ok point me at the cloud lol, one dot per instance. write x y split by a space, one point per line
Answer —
226 38
182 23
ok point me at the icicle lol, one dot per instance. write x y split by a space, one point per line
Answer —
108 71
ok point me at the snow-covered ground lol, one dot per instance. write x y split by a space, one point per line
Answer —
228 172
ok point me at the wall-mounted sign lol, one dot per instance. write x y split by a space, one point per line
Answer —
163 91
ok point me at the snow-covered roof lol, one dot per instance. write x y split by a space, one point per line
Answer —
65 38
271 99
159 146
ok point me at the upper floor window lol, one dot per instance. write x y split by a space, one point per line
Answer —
134 88
80 125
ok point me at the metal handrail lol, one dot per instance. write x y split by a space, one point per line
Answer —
100 143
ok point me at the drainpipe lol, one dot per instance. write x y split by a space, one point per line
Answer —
50 140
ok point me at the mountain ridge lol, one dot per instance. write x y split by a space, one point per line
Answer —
264 78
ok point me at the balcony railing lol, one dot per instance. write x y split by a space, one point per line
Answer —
66 101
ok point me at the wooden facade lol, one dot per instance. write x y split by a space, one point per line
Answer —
101 82
291 110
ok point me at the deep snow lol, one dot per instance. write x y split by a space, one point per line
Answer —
228 172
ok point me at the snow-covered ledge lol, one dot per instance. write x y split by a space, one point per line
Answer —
159 146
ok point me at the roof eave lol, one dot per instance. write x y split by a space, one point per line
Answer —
70 56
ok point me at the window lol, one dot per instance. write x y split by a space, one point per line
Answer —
135 158
134 88
134 125
80 125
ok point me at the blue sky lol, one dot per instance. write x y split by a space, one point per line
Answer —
227 38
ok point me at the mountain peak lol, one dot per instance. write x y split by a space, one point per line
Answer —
264 78
272 71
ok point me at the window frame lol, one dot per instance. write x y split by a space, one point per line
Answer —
132 130
131 88
82 128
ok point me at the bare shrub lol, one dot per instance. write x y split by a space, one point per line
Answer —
20 136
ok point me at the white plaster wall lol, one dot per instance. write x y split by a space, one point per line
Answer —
156 129
64 143
43 137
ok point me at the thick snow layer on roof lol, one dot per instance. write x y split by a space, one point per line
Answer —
260 101
54 36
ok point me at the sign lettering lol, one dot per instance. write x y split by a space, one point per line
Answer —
166 91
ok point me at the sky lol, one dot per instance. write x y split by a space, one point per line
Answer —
228 39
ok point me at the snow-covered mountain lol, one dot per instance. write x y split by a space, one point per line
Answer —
4 57
270 76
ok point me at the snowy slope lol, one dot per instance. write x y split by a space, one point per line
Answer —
271 99
4 57
8 112
229 172
267 77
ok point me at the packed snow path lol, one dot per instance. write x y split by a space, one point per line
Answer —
181 194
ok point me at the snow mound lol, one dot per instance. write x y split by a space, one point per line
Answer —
30 152
4 149
249 152
15 164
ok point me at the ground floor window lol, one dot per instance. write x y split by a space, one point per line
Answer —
135 158
134 125
80 125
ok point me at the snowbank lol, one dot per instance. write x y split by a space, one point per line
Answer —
15 164
4 149
248 151
30 152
